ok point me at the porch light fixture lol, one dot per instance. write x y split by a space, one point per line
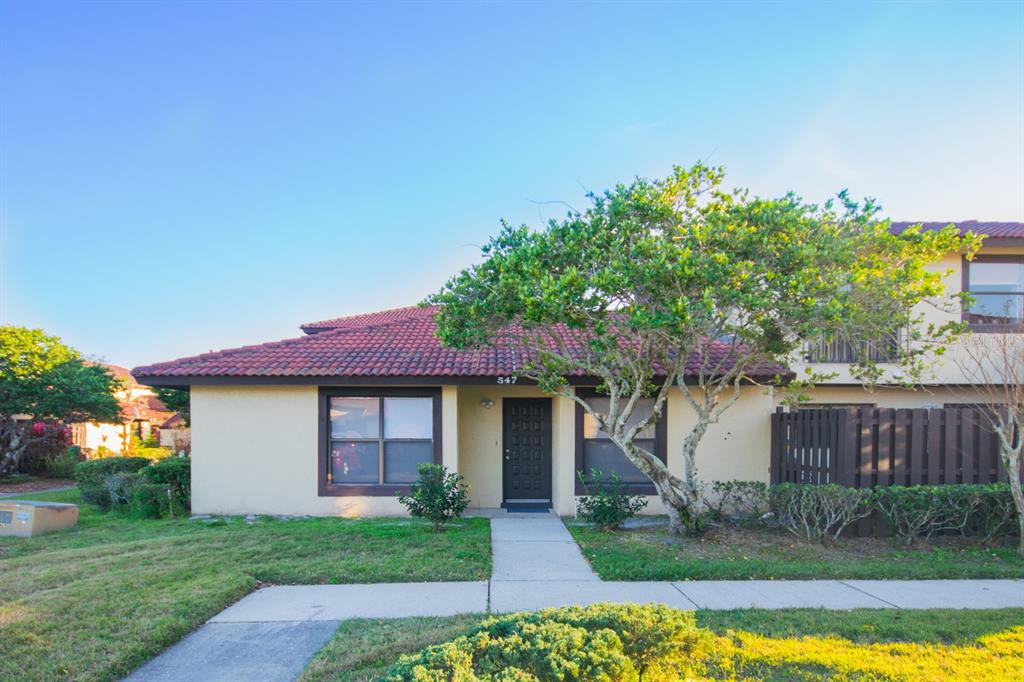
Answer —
487 403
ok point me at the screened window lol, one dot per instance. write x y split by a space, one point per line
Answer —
379 440
997 286
595 450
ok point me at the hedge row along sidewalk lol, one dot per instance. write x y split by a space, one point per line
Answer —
95 602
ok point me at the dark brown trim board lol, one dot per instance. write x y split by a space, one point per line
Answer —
326 381
325 489
660 446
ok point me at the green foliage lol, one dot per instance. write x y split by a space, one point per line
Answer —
600 642
150 501
121 487
41 377
174 474
739 502
437 496
606 504
817 512
994 513
156 453
63 465
176 400
91 477
642 278
921 511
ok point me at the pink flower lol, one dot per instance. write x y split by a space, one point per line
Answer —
38 429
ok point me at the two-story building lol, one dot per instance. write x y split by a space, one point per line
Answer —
336 421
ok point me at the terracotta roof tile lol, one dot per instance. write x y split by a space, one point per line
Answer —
1001 230
393 343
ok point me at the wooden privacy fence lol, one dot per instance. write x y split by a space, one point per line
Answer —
877 446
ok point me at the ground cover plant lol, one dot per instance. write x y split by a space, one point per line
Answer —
787 644
94 602
648 552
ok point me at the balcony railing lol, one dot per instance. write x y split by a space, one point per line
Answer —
845 352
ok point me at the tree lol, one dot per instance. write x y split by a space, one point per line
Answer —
176 400
994 366
43 380
677 282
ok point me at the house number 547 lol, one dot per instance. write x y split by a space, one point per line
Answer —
507 380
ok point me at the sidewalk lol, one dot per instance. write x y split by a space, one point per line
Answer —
271 634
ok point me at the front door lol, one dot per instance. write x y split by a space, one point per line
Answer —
526 450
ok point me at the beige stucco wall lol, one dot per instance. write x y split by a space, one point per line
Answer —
945 369
272 469
894 397
254 451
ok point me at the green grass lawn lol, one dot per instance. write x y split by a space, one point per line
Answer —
363 649
96 601
649 553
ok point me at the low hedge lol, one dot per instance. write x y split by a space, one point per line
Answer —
148 489
91 476
599 642
817 512
150 501
175 475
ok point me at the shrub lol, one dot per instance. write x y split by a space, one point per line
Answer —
606 504
994 514
63 465
740 502
175 475
150 501
103 452
599 642
154 454
91 476
437 496
923 510
817 512
121 487
49 442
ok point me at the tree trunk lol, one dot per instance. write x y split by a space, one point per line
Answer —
14 447
1011 460
692 488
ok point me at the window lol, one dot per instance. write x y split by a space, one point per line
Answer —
374 442
594 450
997 285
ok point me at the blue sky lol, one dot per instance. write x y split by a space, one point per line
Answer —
176 178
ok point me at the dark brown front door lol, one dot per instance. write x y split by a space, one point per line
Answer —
526 450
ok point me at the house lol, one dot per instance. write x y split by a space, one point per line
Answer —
334 422
142 415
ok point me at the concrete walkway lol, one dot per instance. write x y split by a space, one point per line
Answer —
536 547
272 633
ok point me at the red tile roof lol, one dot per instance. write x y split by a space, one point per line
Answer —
394 343
1000 230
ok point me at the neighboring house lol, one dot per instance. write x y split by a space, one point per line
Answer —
335 422
142 415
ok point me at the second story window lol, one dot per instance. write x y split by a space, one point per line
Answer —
996 283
